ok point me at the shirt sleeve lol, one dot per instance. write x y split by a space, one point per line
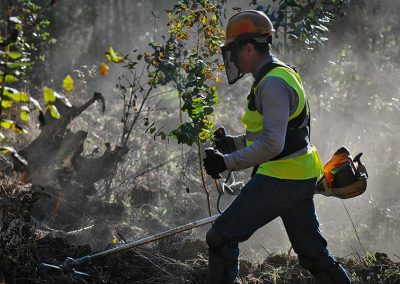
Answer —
274 94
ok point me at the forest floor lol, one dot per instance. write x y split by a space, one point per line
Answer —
181 262
175 259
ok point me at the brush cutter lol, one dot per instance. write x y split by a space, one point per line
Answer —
228 185
70 264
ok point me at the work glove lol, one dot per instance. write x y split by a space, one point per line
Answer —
225 144
214 163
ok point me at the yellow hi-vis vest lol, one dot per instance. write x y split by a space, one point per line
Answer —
307 164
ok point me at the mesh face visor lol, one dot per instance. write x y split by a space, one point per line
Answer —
230 55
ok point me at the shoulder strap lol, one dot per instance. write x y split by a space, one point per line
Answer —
266 69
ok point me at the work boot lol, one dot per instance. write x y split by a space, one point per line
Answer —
325 269
231 270
221 270
216 268
334 275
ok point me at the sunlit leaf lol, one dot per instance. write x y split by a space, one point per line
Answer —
9 124
24 113
205 134
6 103
112 56
14 55
119 59
14 95
66 102
11 90
64 99
104 69
68 83
48 94
112 52
9 150
54 112
9 78
14 65
36 104
15 20
2 137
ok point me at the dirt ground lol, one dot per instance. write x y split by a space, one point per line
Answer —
176 259
184 261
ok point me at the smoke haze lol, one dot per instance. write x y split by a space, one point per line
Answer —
352 83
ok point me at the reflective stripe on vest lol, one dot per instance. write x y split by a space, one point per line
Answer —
303 164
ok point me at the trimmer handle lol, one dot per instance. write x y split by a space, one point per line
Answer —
361 167
357 158
209 152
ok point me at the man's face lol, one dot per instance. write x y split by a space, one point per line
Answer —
247 58
239 59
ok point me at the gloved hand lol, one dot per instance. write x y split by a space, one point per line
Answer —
225 144
214 163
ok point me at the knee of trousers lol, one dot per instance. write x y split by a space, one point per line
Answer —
217 243
214 239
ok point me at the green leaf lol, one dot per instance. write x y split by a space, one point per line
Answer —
24 113
14 55
6 103
112 56
48 94
54 112
112 53
9 90
205 135
36 104
9 124
14 65
343 52
66 102
14 95
63 99
68 84
15 20
9 78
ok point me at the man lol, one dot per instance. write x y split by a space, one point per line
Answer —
276 143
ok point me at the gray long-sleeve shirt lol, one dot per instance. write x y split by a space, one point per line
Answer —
278 101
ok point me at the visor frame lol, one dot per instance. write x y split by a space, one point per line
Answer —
230 57
229 52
